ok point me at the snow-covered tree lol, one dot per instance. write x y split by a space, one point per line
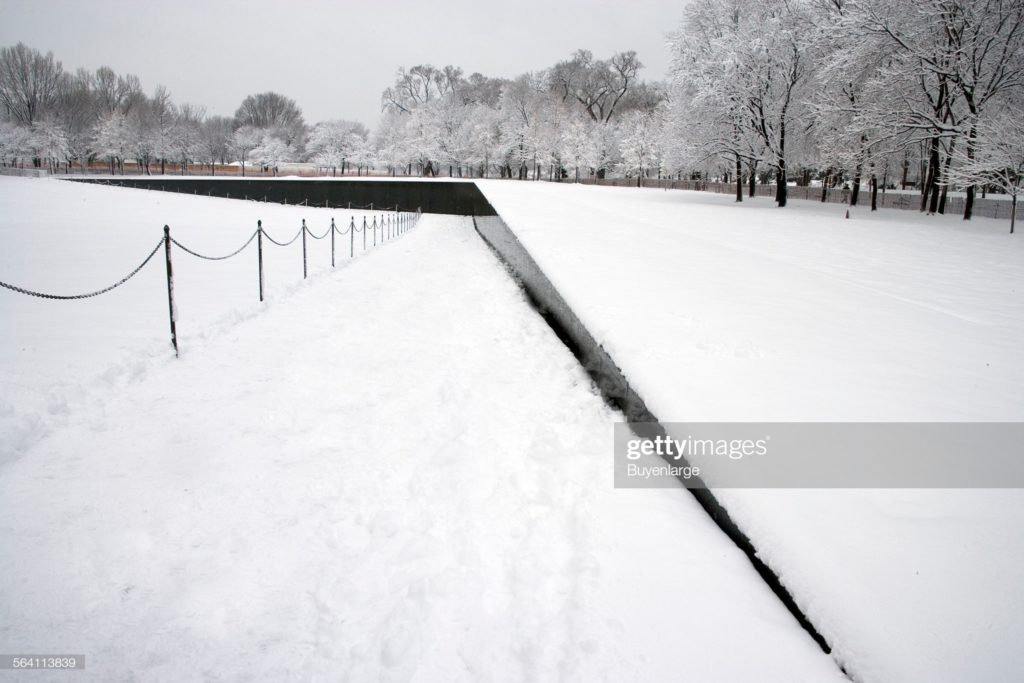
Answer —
114 138
484 131
598 86
997 158
48 141
388 141
419 86
272 152
707 116
14 142
185 140
951 61
578 146
334 143
521 105
215 134
274 112
243 141
639 143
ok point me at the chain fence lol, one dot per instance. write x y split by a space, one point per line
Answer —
391 225
88 295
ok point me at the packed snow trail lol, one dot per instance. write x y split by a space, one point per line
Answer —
718 311
397 473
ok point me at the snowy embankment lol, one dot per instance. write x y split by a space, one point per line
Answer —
724 312
394 471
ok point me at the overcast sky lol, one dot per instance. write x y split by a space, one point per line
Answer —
332 58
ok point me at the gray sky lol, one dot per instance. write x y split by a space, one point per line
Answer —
332 58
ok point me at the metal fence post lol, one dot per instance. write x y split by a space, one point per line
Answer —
170 289
374 231
303 248
259 251
332 242
352 238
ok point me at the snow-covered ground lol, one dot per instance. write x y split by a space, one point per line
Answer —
719 311
66 238
393 471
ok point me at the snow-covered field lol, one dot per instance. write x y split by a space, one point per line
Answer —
393 471
67 238
724 312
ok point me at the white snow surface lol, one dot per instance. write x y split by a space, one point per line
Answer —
718 311
392 471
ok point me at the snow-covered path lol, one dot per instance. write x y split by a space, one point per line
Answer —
395 473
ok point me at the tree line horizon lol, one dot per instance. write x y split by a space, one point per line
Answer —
843 93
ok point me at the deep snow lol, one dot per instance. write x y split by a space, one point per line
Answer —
393 471
719 311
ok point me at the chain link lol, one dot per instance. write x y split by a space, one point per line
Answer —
321 236
282 244
117 284
215 258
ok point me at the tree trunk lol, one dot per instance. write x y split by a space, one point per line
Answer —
752 168
926 175
780 185
780 175
1013 211
945 176
874 192
739 179
969 201
930 198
